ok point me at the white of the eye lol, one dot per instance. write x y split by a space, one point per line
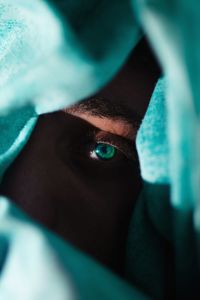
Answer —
93 155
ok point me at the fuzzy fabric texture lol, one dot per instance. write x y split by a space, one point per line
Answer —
152 139
52 54
43 70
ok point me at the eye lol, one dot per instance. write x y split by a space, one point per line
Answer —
103 151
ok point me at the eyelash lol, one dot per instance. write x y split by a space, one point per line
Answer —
121 144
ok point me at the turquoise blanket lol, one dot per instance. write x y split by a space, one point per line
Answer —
53 53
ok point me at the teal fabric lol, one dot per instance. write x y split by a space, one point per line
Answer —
43 70
152 140
150 228
53 53
35 264
15 129
173 29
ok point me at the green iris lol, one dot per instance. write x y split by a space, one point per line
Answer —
105 151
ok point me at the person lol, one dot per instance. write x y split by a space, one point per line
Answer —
79 173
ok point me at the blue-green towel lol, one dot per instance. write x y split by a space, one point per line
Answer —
43 70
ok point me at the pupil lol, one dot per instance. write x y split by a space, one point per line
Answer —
104 151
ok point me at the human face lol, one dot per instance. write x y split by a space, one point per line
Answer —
79 173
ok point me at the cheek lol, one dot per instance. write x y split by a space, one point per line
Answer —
96 216
91 213
85 203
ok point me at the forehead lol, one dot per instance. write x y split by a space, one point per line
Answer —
134 83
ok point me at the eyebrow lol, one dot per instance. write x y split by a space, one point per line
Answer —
104 108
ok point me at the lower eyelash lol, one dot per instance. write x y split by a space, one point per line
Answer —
106 156
123 145
126 147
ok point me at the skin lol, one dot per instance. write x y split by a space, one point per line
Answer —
87 201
